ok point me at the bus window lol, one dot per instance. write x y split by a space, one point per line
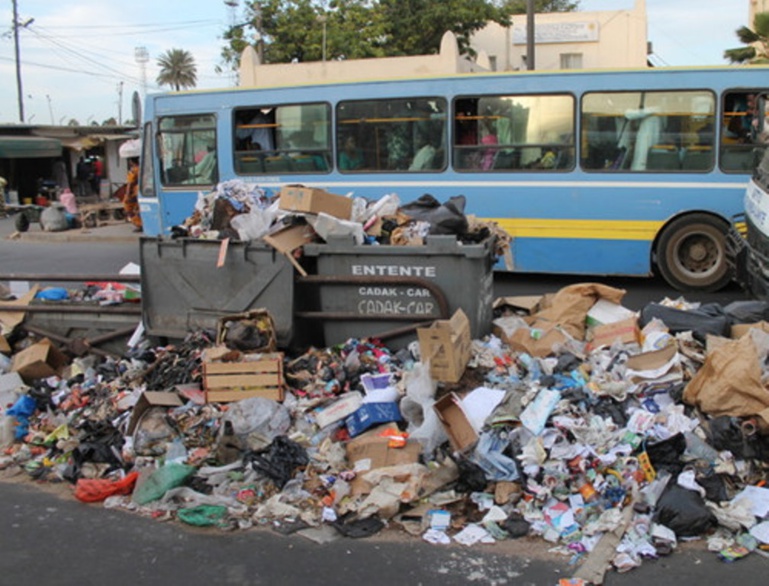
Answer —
401 135
187 150
514 133
742 140
648 131
282 139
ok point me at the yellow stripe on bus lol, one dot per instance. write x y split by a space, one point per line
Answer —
581 229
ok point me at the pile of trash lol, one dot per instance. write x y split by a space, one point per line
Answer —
577 421
244 211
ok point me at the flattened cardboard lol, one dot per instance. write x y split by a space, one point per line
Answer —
287 240
739 330
625 331
5 347
10 319
607 312
296 198
371 451
462 435
40 360
527 303
539 343
150 399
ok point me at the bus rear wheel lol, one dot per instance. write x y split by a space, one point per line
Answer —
691 253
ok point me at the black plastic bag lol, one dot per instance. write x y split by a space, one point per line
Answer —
684 512
708 319
472 478
747 312
279 460
447 218
666 455
357 528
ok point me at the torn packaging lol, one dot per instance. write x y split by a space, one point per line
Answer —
729 383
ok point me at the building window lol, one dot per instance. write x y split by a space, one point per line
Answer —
493 62
571 60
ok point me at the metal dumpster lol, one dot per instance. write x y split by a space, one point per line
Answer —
388 291
183 290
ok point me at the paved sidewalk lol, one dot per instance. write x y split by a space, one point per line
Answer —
122 232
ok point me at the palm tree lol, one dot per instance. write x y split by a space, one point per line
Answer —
177 69
757 40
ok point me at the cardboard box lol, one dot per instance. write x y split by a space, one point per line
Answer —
446 344
296 198
39 360
233 381
462 434
607 312
149 399
370 414
5 347
626 331
739 330
345 405
287 240
371 451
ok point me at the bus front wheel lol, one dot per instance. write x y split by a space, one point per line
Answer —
691 253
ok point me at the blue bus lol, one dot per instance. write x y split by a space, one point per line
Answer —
591 172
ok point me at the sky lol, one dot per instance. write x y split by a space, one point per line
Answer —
77 57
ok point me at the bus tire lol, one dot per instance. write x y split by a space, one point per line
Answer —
691 253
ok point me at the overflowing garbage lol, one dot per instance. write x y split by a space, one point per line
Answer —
245 211
609 434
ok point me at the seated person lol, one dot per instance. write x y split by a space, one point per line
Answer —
423 160
351 157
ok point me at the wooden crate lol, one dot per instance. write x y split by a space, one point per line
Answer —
233 381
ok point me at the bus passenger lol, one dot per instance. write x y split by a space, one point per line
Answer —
351 157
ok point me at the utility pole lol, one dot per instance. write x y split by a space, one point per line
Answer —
530 35
50 108
18 61
120 103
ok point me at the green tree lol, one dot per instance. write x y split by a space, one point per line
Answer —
415 27
177 69
541 6
756 39
289 30
73 122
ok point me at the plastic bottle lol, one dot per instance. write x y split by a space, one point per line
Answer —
654 489
699 449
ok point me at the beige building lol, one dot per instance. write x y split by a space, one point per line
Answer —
754 7
569 40
447 61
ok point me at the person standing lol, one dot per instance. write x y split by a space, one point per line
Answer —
97 171
131 199
82 177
